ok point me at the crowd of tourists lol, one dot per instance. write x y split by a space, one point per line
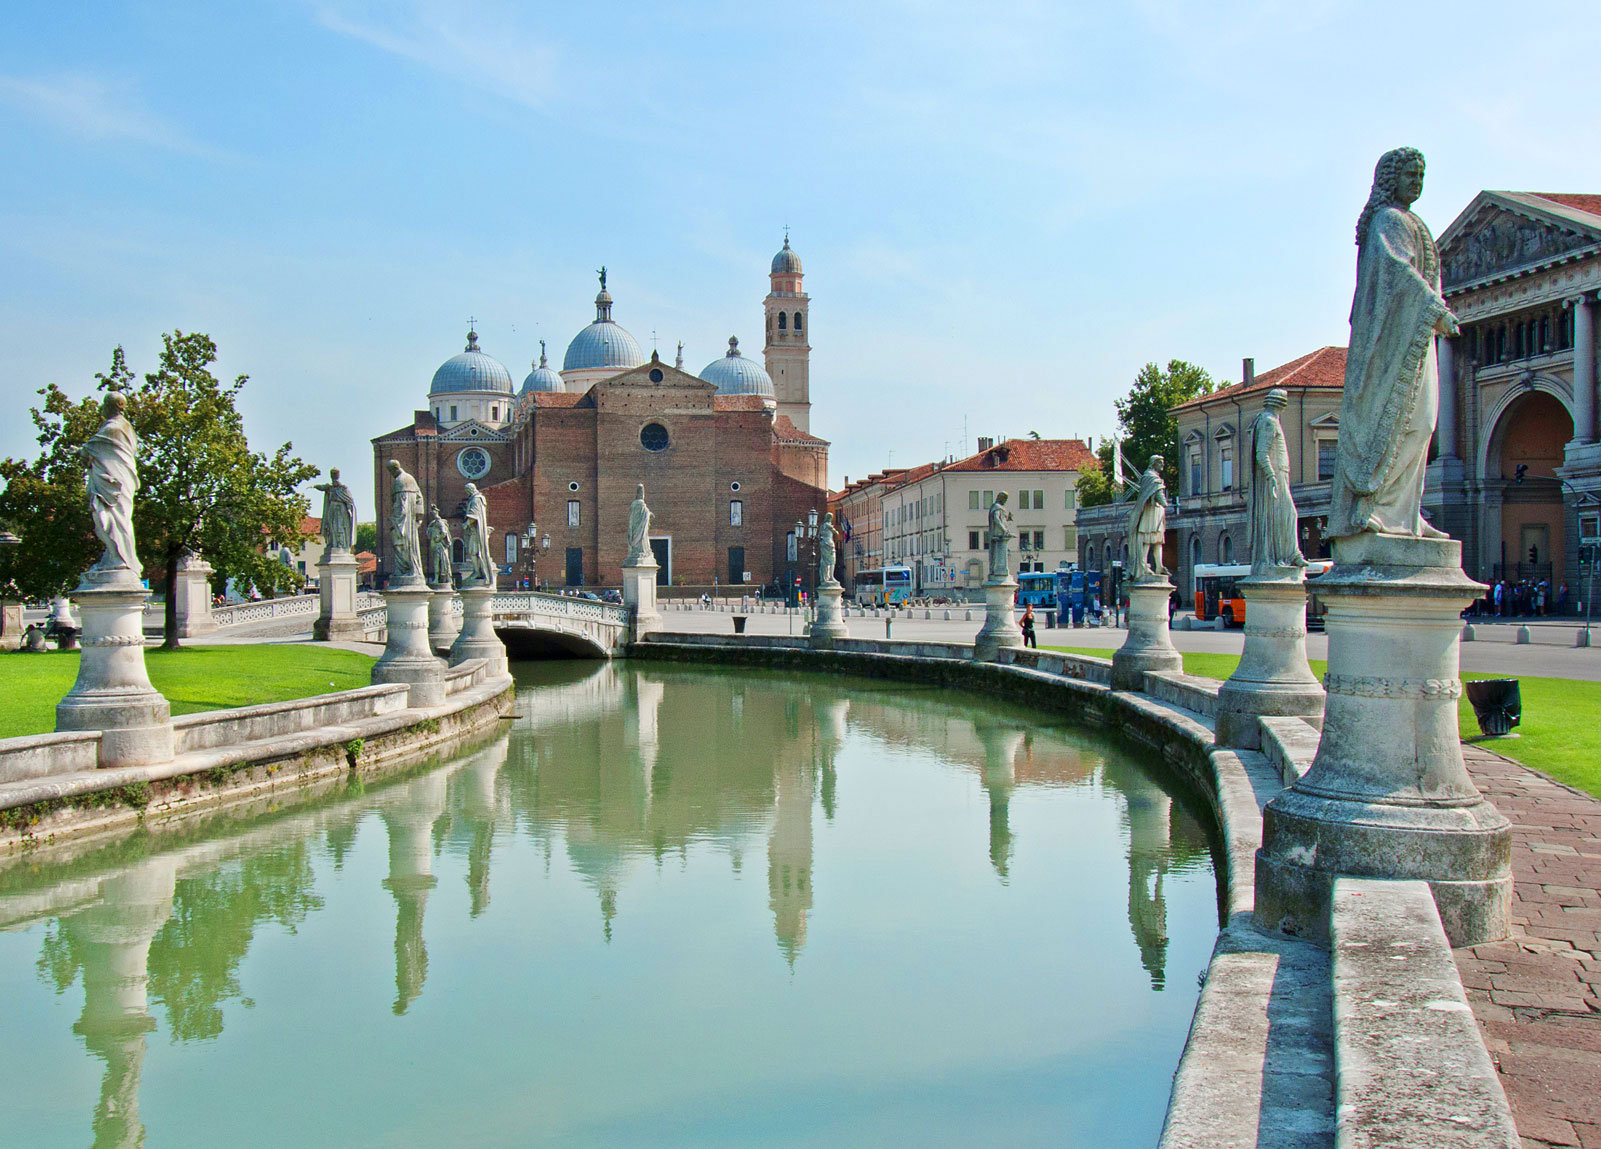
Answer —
1526 598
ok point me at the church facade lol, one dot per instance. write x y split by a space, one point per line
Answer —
726 456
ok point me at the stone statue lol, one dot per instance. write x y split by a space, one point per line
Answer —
1000 533
439 563
475 532
827 542
405 508
113 454
1392 389
1147 524
338 513
1273 518
639 552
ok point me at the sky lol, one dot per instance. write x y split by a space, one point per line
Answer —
1003 210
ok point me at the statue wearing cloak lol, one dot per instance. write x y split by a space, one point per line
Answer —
475 531
1273 516
1147 524
338 513
113 477
439 548
1000 534
405 508
827 541
639 552
1392 387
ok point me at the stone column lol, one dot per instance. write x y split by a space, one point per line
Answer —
478 638
193 596
113 692
1388 795
336 592
1148 646
828 625
1583 369
1000 629
406 657
1273 677
639 595
1446 427
442 625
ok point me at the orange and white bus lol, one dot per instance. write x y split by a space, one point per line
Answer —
1217 592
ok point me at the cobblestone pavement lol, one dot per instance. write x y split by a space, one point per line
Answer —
1538 995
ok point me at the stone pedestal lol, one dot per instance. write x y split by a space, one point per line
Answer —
639 594
193 597
1000 627
1273 677
1388 795
478 638
828 625
1148 646
11 624
336 593
113 692
406 657
442 625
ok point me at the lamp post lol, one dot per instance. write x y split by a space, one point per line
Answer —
532 544
806 555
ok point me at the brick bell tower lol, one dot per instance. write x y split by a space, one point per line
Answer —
789 325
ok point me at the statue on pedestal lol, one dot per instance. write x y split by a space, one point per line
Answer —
439 548
338 513
405 508
113 477
827 540
475 532
1147 524
639 552
1273 516
1392 387
1000 533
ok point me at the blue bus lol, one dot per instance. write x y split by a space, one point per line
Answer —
1036 588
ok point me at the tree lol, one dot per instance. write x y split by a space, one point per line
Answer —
202 490
1146 426
366 537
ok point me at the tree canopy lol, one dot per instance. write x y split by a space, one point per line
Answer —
1146 428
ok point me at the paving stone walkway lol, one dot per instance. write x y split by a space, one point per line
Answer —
1537 996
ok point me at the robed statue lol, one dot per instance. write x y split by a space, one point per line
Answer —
1147 524
639 552
1000 536
1392 386
827 550
405 508
438 548
338 513
1273 516
475 539
113 477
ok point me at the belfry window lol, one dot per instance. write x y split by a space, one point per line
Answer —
797 321
783 321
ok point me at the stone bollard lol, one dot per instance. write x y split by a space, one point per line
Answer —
967 615
928 614
1273 678
1148 646
1525 636
947 616
887 622
1468 633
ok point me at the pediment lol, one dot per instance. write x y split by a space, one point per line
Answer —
657 376
1194 437
1505 233
1328 420
1226 431
472 431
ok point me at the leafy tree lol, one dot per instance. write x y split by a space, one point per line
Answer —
366 537
1146 427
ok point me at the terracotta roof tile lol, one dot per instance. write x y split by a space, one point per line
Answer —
737 403
557 398
1579 201
1324 367
786 432
1030 455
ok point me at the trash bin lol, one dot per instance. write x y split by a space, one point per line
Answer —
1497 704
739 623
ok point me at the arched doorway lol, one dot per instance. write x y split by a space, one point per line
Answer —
1524 454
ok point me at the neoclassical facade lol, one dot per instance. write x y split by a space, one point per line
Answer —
726 458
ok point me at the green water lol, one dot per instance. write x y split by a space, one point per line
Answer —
662 906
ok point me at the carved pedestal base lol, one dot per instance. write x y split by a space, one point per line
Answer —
443 626
1388 795
478 638
11 624
639 593
406 657
828 625
1148 646
193 595
1000 629
113 692
1273 677
336 592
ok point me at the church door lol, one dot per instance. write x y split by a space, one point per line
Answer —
736 565
575 566
662 548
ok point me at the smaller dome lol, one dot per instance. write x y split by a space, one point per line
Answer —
786 262
735 375
472 370
542 378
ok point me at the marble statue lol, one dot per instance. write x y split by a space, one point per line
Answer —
338 513
1272 516
113 478
1392 388
1147 524
405 508
827 544
475 532
439 564
639 552
1000 534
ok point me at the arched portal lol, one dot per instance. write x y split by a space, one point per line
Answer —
1524 451
525 644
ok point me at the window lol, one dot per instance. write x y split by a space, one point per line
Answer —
1067 539
1228 550
1068 499
783 321
972 541
736 512
1039 500
1195 473
989 500
473 463
797 321
1325 459
789 546
511 548
972 501
1039 537
494 412
453 413
574 515
1023 540
1226 465
653 437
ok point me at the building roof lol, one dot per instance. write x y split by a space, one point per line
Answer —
310 526
786 432
1580 201
603 343
1030 455
472 370
733 374
1324 367
557 398
366 562
542 377
722 402
786 262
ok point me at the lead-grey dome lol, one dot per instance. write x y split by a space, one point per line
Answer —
735 375
472 370
542 377
786 262
602 343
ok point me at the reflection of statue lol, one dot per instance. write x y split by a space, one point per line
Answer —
113 478
1147 523
1392 390
999 533
639 554
827 539
405 508
338 513
438 548
475 539
1273 517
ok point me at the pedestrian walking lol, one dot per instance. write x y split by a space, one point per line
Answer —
1028 627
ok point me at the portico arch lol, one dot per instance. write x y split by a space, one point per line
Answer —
1524 521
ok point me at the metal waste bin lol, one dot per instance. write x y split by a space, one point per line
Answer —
739 623
1497 704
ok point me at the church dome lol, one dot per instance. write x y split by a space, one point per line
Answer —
472 370
602 343
735 375
786 262
542 378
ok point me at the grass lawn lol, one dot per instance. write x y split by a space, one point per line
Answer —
193 679
1560 731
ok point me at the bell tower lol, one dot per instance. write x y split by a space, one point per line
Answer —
789 325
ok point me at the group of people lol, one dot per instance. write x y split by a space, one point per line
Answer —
1526 598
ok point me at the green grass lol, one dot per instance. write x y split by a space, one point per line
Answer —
193 679
1560 733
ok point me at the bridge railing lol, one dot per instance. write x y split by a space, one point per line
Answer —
539 603
283 608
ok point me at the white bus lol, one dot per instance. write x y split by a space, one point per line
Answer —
883 585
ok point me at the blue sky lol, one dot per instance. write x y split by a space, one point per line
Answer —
1003 210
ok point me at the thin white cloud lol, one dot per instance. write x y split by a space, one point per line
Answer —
95 109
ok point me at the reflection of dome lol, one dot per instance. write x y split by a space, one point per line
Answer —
542 378
735 375
602 343
472 370
786 262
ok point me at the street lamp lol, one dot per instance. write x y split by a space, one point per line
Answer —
532 544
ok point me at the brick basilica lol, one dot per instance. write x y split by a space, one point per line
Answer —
726 456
